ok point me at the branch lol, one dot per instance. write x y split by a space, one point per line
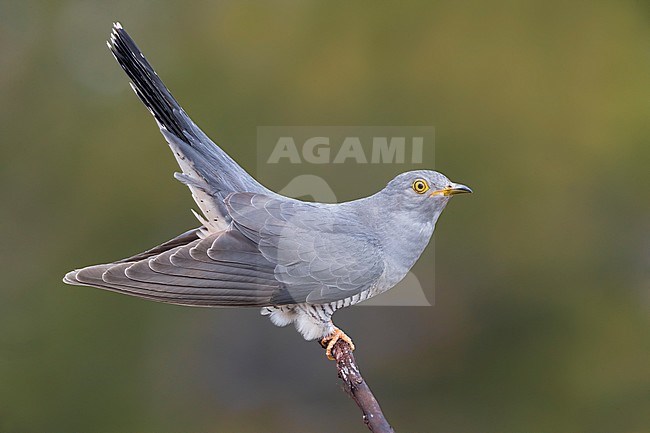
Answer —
358 390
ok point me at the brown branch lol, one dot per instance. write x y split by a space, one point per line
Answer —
358 390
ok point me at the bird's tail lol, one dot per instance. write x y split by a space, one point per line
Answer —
146 84
192 148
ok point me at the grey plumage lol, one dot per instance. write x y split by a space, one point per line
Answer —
299 261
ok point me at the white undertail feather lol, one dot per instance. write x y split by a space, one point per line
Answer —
280 316
312 321
304 317
205 229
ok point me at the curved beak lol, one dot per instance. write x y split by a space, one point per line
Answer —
455 188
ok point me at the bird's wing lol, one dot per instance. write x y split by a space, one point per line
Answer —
180 240
321 253
208 171
275 252
223 269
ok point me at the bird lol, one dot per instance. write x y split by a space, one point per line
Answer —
297 261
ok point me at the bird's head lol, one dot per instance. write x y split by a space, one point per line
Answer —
423 191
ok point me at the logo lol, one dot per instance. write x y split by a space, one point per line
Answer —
332 164
321 150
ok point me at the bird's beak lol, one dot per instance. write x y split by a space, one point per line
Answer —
455 188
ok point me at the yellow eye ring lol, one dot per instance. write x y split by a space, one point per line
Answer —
420 186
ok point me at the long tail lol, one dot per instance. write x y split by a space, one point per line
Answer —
193 149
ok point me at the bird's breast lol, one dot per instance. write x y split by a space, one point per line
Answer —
402 249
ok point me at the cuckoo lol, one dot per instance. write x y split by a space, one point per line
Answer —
297 261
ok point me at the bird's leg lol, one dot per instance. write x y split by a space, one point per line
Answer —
329 342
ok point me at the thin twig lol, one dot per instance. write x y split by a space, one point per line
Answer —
358 390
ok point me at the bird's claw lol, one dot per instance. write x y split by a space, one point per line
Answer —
329 342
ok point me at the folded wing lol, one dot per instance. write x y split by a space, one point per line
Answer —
223 269
275 252
322 253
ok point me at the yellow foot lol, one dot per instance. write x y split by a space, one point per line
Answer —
329 342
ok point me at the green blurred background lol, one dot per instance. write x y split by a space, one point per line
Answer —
541 322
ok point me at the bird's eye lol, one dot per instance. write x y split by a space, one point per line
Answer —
420 186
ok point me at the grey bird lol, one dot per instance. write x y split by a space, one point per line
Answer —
297 261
